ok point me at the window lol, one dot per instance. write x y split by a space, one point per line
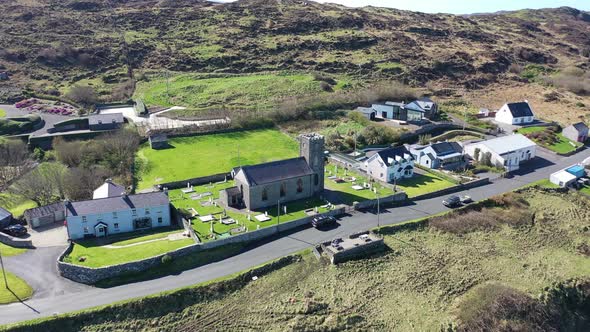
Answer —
147 211
299 186
134 212
116 225
265 194
283 191
159 220
316 179
99 121
85 230
114 215
84 219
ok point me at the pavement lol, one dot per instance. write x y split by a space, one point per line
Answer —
72 297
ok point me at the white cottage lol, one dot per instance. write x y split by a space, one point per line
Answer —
506 151
390 164
516 113
112 215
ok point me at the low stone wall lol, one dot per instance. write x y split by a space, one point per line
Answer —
583 147
197 181
87 275
397 197
454 189
15 241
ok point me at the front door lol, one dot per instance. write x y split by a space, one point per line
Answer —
101 231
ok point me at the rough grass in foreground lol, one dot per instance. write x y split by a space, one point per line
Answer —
19 289
197 156
416 285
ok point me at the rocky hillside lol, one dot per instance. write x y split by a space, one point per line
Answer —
48 45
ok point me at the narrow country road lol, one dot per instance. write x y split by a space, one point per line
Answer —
87 297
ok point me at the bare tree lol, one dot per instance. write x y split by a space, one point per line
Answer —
15 160
41 184
85 95
81 182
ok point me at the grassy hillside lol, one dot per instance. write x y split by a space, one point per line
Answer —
480 267
51 45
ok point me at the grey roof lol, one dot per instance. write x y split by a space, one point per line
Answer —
520 109
233 190
43 211
276 171
158 138
4 214
105 118
365 110
385 154
120 203
394 103
425 103
109 189
580 126
415 106
444 148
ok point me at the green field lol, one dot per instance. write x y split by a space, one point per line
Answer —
15 204
8 251
246 92
295 210
97 254
197 156
562 144
427 279
17 287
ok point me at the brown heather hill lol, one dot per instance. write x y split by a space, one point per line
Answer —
49 45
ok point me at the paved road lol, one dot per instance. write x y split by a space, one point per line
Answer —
86 297
50 119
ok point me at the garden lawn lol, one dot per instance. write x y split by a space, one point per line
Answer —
15 204
97 255
420 184
345 193
8 251
197 156
295 210
2 113
562 145
18 287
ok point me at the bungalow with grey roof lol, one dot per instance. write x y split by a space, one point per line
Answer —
445 155
107 121
519 113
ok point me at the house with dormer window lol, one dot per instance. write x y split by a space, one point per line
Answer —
391 164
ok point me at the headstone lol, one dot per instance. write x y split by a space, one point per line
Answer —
266 213
249 217
284 209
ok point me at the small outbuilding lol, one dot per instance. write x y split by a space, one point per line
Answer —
158 141
107 121
5 218
562 178
577 170
45 215
577 132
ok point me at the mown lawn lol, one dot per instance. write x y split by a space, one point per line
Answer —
295 210
196 156
97 255
15 204
8 251
2 113
562 144
19 289
251 92
420 184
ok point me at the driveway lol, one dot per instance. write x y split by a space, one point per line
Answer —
156 122
55 235
50 119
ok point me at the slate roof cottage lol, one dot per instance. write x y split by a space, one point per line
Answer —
446 155
390 164
508 152
577 132
516 113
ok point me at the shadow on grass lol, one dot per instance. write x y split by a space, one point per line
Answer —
193 261
99 242
341 197
416 181
22 301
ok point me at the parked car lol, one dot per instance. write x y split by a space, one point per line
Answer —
452 201
16 230
323 221
466 199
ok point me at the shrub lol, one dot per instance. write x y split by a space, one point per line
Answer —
85 95
167 259
326 87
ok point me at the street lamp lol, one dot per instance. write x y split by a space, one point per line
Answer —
278 213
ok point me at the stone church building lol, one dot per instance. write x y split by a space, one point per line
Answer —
264 185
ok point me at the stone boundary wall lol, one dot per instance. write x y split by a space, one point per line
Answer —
454 189
197 181
583 147
88 275
15 241
397 197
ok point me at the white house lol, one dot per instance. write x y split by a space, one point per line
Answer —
108 189
516 113
112 215
390 164
506 151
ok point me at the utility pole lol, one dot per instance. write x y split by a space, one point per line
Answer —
278 213
239 155
464 117
378 211
3 271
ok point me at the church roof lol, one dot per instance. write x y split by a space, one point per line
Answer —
276 171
